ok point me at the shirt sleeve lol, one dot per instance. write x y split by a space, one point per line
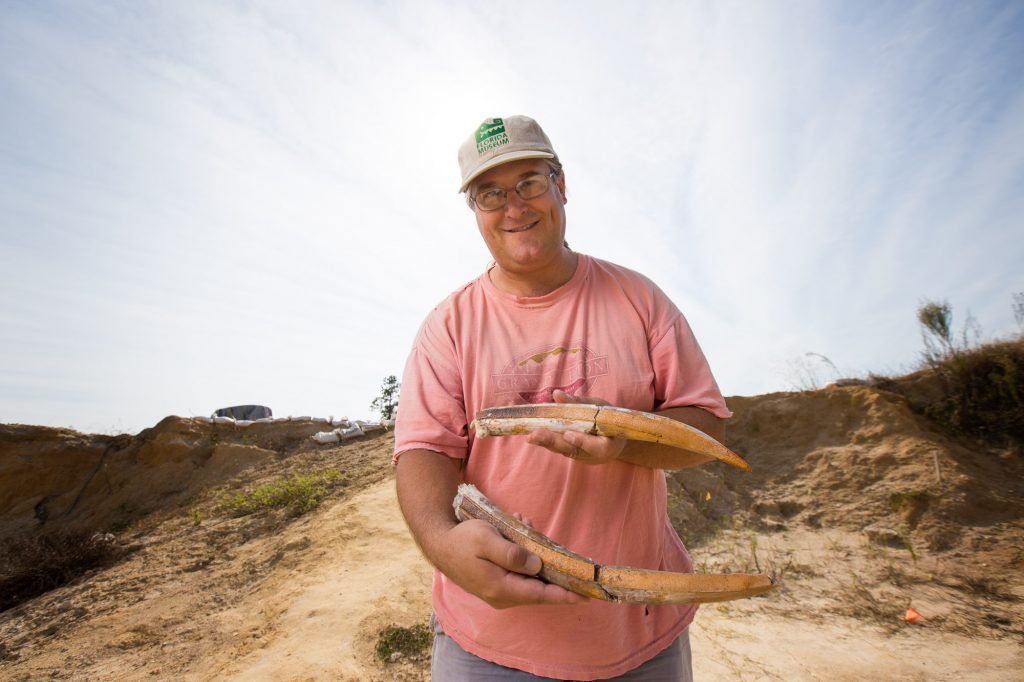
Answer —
682 376
432 409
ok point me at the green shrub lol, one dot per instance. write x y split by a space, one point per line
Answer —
300 493
899 501
33 564
983 391
936 319
981 384
410 642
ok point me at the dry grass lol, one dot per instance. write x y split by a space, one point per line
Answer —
33 564
885 609
988 587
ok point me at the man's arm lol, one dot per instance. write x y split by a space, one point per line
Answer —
600 450
472 553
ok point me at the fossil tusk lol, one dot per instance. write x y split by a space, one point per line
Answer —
601 420
579 574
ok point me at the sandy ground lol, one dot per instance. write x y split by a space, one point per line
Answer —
766 648
824 624
316 614
324 618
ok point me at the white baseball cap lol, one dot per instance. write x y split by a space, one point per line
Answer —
500 140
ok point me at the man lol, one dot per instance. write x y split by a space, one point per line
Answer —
546 324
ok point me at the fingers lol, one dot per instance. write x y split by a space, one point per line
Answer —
594 449
523 519
519 589
517 585
560 396
512 557
582 447
501 572
555 442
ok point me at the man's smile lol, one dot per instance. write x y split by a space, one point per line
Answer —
522 228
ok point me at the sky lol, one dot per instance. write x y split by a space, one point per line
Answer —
206 204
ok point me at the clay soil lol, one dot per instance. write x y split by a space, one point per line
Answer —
859 508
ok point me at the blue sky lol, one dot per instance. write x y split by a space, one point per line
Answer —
205 204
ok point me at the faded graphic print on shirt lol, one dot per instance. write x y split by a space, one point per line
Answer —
533 376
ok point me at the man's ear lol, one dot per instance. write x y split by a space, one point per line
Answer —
560 183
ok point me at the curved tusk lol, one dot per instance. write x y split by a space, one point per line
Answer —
579 574
602 420
559 565
514 420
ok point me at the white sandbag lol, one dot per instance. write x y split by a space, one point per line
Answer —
341 421
243 422
223 420
321 420
350 432
264 420
326 437
205 420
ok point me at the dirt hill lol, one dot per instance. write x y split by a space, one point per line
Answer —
858 506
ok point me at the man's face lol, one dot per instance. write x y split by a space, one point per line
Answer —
523 237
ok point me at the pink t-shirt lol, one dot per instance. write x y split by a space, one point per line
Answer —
608 333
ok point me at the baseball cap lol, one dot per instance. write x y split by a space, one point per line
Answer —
500 140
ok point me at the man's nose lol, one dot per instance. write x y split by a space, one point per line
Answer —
515 205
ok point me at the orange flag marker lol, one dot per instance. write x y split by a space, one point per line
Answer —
912 616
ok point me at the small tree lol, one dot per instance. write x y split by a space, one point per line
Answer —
387 402
1018 308
980 383
937 320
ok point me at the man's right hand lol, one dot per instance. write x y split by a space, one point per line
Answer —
473 553
479 560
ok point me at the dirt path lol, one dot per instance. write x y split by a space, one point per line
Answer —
324 615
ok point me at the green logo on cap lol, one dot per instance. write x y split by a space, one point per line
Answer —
490 134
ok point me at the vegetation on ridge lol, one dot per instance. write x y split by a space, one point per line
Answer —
300 493
977 389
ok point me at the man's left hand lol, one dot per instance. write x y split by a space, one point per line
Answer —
581 447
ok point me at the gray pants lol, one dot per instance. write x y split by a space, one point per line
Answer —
452 663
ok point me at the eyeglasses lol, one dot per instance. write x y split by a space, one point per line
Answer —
527 188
